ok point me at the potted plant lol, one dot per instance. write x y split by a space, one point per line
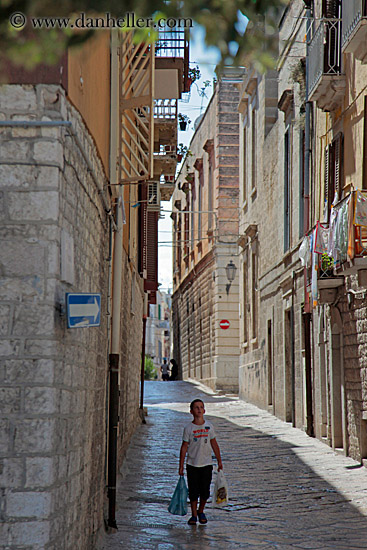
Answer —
193 74
181 151
183 121
327 265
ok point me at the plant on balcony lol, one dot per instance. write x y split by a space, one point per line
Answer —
182 151
193 75
298 75
327 265
183 121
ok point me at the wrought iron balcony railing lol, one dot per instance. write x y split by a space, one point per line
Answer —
325 68
171 43
354 27
165 109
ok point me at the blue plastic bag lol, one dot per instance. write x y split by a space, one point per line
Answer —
178 504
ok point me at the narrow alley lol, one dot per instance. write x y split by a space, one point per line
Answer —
286 490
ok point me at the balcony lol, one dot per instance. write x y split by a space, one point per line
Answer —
354 28
326 80
165 161
171 63
165 145
165 122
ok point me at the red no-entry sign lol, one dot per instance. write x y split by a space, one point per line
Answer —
224 324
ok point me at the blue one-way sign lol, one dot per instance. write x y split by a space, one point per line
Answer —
83 310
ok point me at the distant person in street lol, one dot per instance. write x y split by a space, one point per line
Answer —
165 370
196 438
174 369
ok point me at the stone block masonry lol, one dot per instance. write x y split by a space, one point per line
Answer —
54 235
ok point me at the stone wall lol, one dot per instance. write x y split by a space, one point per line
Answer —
53 380
193 307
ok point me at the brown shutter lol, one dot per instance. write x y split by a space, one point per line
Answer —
331 9
326 183
364 180
338 155
186 234
151 282
142 229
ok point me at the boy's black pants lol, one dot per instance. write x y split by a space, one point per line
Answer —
198 480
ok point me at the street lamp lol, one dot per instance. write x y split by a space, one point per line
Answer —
231 274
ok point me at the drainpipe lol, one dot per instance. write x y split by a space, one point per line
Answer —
306 193
114 358
143 358
309 412
293 356
307 308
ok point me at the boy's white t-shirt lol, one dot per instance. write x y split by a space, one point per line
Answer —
199 452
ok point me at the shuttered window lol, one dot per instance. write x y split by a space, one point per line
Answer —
186 233
333 174
301 183
254 304
364 177
142 229
245 303
210 189
331 9
152 251
253 149
244 172
287 206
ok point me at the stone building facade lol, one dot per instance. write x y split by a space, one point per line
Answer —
205 241
339 174
70 397
53 380
158 331
302 226
271 226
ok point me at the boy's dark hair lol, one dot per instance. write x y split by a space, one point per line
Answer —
195 401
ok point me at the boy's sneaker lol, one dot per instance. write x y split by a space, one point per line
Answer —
202 518
192 520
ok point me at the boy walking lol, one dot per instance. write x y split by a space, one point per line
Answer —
198 442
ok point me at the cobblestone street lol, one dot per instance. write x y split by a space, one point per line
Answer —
287 491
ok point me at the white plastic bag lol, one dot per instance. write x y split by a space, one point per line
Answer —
220 496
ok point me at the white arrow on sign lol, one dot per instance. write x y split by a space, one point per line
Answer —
85 310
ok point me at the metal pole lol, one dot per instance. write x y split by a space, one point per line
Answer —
116 299
112 438
142 367
308 374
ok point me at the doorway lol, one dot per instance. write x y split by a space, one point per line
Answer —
270 364
288 367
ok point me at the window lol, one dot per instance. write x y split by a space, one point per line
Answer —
245 304
364 177
301 183
287 209
254 306
333 174
253 150
200 197
192 221
244 164
210 190
186 233
198 165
